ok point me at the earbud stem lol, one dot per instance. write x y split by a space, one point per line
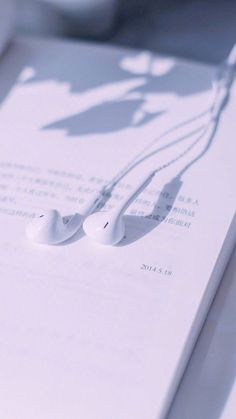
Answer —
133 195
92 204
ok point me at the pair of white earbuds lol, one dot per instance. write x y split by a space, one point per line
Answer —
104 227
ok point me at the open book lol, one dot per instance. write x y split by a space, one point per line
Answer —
98 332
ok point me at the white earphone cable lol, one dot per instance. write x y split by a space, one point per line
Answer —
221 88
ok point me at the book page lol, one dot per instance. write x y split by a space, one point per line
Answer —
208 388
90 331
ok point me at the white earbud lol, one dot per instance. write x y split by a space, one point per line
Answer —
51 228
105 227
108 227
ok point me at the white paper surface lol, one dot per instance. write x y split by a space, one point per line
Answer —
208 388
90 331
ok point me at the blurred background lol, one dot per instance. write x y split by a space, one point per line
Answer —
196 29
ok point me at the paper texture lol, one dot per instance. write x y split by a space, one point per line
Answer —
103 332
208 388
